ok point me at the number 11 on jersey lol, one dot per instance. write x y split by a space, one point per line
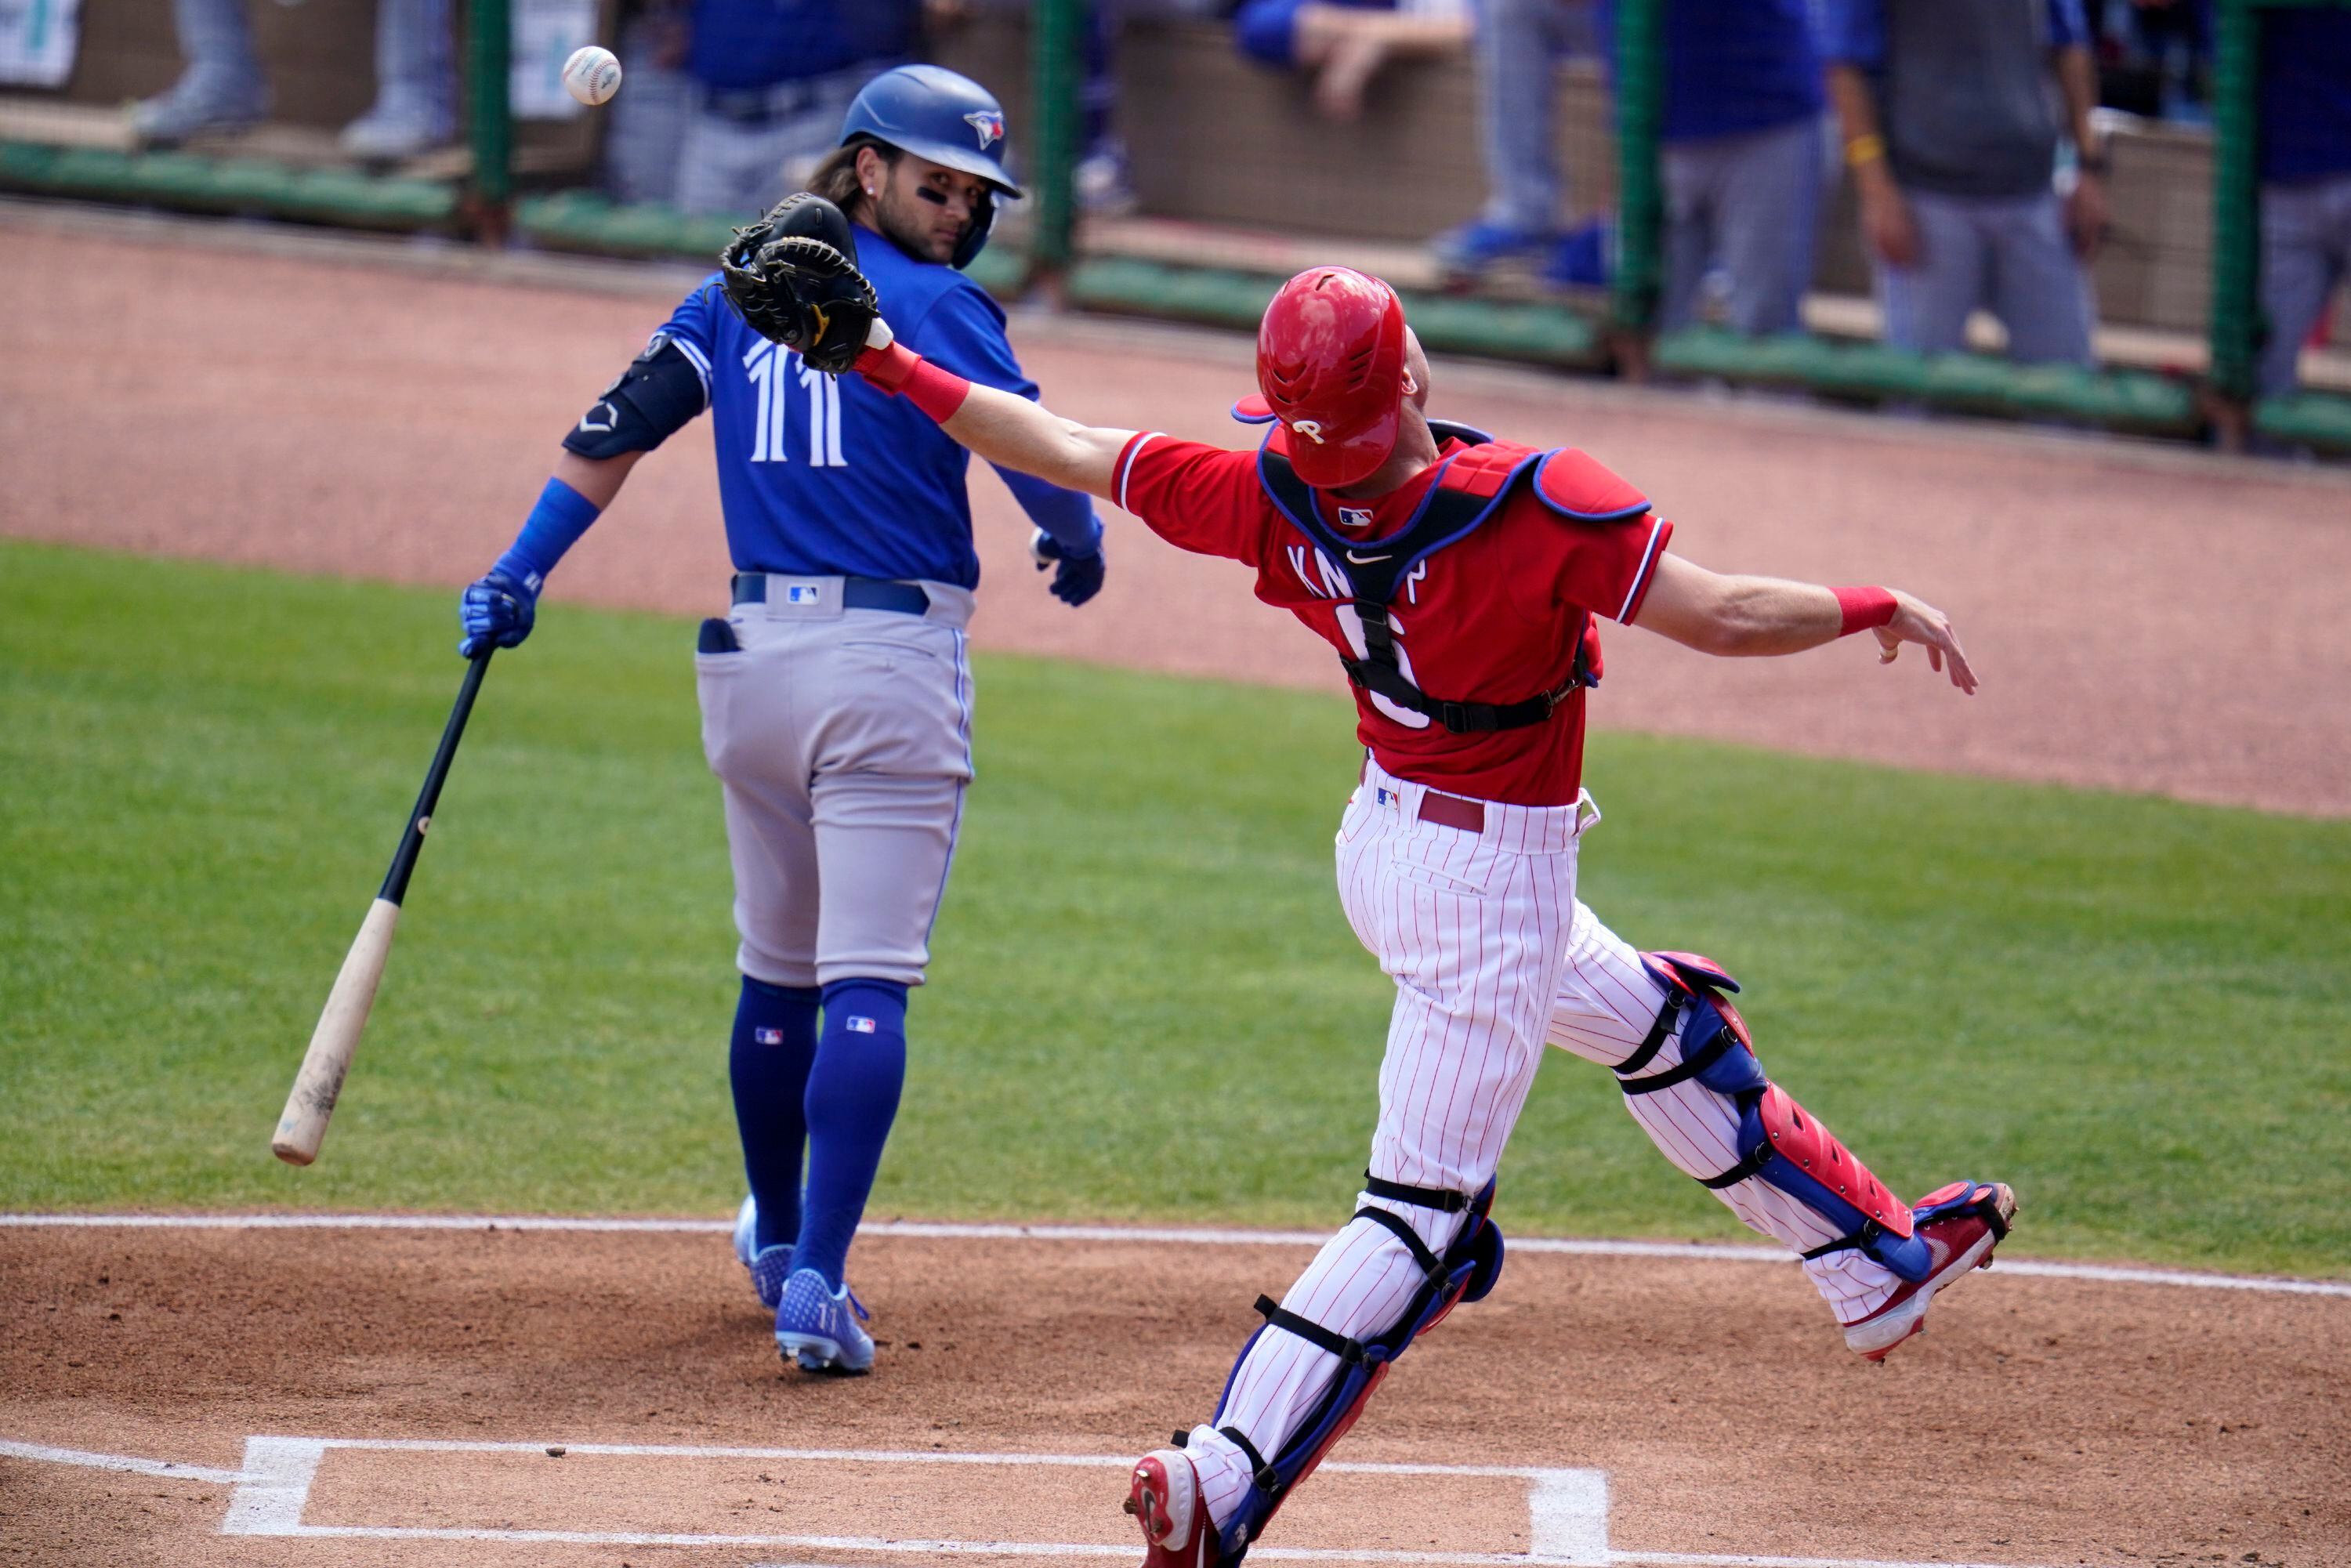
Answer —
771 369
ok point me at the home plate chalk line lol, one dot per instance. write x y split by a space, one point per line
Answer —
1180 1236
1567 1509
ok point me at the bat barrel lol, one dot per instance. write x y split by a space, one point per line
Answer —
303 1125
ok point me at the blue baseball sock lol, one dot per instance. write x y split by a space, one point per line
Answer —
775 1045
852 1097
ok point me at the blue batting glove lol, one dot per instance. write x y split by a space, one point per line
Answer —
1079 576
498 609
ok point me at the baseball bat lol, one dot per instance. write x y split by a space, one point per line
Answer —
303 1125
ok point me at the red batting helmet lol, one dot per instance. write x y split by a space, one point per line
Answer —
1330 361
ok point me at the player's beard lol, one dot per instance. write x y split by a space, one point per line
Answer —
908 222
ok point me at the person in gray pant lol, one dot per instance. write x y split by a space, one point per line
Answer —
2305 162
1951 134
1519 46
1742 158
223 88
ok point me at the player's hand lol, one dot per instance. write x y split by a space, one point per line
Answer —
497 608
1915 621
2086 215
1079 576
1886 221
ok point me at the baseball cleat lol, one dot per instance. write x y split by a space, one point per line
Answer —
769 1267
818 1326
746 1230
1164 1495
1961 1224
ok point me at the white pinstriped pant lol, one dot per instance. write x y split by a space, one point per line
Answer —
1493 956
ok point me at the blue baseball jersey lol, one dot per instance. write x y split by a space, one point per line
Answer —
1732 67
2305 95
825 475
735 45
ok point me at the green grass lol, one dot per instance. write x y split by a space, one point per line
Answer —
1145 1002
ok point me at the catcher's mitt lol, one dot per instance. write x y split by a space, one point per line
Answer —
793 278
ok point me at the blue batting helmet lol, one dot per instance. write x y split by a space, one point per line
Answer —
951 120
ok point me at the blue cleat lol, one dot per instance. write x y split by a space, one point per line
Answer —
1580 258
820 1326
769 1266
1467 251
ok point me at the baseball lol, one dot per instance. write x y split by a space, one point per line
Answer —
592 74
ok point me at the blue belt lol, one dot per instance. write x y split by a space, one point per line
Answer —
856 594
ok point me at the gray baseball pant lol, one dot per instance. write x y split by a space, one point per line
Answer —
2305 253
842 740
2007 255
1750 205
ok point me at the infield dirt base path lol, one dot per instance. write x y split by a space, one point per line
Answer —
2143 621
2039 1421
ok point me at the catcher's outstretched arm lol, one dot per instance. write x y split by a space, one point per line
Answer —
997 425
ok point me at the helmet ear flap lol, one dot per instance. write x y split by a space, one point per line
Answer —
983 218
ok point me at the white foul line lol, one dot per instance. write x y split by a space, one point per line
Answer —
1684 1252
43 1454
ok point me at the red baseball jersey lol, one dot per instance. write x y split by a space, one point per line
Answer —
1490 618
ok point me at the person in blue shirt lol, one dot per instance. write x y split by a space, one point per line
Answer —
836 697
2305 167
1744 156
770 80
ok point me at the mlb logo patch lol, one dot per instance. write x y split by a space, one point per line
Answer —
768 1036
803 593
1355 517
1388 797
859 1025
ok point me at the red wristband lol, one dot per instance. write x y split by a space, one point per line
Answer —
901 372
1864 608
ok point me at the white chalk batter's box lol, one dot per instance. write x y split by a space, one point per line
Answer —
878 1504
828 1508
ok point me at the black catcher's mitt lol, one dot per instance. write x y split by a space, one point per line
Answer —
793 278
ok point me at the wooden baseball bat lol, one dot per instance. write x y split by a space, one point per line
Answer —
303 1125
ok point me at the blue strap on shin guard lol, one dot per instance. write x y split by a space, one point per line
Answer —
1466 1272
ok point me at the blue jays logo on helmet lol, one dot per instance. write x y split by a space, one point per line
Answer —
990 123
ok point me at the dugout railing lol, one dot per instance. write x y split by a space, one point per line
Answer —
1611 332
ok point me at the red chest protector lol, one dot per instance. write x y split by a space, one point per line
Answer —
1471 489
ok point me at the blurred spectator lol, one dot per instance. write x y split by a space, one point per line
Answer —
1519 46
1951 133
2305 165
645 129
1744 158
223 88
772 80
1345 42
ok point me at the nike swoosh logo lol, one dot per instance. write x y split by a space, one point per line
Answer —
1367 560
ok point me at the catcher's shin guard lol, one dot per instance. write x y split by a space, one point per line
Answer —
1779 1142
1466 1272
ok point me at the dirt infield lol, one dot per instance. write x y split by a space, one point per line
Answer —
2150 621
1658 1409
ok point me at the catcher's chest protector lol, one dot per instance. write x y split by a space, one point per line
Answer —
1471 489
